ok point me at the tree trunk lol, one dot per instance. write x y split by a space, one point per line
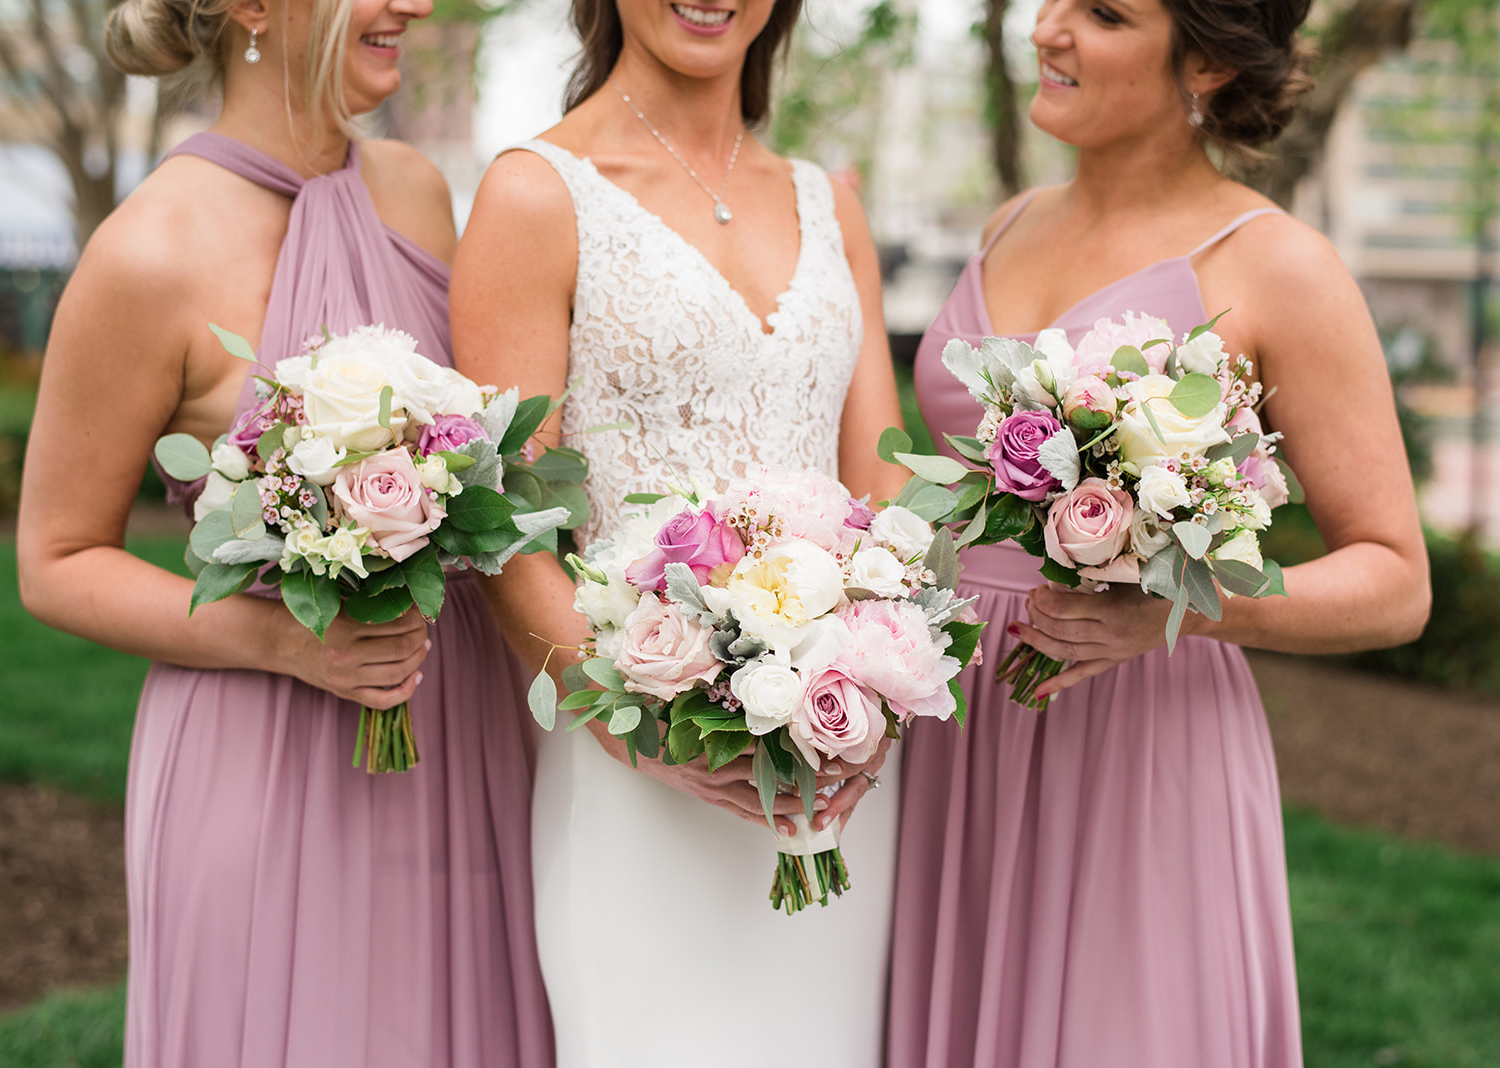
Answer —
1355 38
1004 108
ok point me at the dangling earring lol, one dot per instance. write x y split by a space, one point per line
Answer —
1195 117
252 54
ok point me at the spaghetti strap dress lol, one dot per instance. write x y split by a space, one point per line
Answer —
286 909
1101 884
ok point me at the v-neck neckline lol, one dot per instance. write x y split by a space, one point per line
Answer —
769 326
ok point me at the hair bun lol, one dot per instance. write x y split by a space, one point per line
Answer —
155 38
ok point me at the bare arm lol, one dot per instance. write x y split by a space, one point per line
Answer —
1306 327
124 365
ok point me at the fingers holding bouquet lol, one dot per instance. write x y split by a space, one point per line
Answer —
1091 632
374 664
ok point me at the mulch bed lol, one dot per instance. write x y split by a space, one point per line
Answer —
1360 749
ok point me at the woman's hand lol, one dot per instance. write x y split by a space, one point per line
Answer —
858 779
374 664
1097 631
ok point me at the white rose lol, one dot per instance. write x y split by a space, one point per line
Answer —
907 534
436 476
230 461
292 373
1244 547
303 543
341 400
316 459
218 491
1185 436
342 549
606 604
877 570
769 690
1220 472
1162 491
1203 355
426 389
1147 537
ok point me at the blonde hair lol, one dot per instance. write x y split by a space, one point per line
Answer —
185 39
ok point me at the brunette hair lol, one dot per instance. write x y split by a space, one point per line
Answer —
1258 40
597 23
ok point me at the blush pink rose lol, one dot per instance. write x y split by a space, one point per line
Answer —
384 495
1123 568
1262 471
838 718
1089 526
701 540
448 432
663 653
1018 469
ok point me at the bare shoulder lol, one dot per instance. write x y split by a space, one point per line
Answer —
849 210
520 185
410 194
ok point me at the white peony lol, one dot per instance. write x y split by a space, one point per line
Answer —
230 461
1182 436
769 690
879 571
1203 355
217 492
774 597
907 534
1162 491
316 459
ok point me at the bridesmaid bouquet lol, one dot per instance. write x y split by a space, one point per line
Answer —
363 471
781 617
1126 459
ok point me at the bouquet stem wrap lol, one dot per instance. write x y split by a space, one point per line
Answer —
808 867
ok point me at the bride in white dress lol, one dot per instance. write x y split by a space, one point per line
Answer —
652 255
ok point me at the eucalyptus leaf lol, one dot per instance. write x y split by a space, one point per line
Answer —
210 532
968 448
892 440
1159 572
1240 578
942 559
1278 579
1128 358
1203 595
578 699
575 678
643 498
764 770
541 698
319 508
1198 331
604 673
1175 618
244 512
1195 394
233 343
273 438
1236 449
932 503
599 428
803 775
383 416
625 719
456 461
1193 538
976 527
648 736
936 469
183 457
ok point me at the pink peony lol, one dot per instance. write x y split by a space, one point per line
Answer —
891 651
808 504
1096 350
701 540
663 653
448 432
1089 526
1013 454
837 718
384 495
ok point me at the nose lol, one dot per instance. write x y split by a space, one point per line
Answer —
412 9
1050 31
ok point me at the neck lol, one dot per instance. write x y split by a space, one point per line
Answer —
1138 175
701 117
258 114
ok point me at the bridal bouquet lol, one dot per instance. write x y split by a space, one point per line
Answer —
363 471
779 616
1127 458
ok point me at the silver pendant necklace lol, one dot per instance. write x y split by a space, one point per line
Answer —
722 214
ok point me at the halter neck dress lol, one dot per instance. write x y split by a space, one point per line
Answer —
1102 884
285 908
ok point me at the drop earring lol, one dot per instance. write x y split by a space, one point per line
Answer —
1195 116
252 54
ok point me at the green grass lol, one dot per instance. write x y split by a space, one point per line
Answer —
68 1029
16 404
69 704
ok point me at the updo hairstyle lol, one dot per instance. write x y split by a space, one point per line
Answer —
1259 40
189 39
597 23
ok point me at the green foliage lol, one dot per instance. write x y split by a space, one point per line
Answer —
67 1029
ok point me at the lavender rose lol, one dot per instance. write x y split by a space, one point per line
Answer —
701 540
1089 526
663 653
1018 469
247 429
384 495
448 432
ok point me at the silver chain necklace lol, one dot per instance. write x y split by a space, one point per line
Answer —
722 214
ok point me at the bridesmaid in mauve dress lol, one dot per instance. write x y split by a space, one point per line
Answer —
1102 884
286 909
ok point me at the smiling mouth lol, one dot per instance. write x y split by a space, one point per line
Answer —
1052 74
701 17
381 40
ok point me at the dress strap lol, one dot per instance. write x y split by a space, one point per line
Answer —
252 164
1232 227
1012 217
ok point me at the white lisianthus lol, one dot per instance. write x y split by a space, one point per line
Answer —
426 389
292 373
1147 536
230 461
341 400
342 549
1182 435
1162 491
608 642
1203 355
217 492
304 543
877 570
769 691
436 476
316 459
907 534
607 604
1244 547
1049 375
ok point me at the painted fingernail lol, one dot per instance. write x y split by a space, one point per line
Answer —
429 644
833 769
1013 630
820 804
419 678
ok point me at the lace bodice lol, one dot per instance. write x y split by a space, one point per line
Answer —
661 341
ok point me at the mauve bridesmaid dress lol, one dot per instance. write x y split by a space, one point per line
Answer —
285 908
1103 884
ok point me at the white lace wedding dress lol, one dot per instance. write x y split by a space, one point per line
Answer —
659 946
